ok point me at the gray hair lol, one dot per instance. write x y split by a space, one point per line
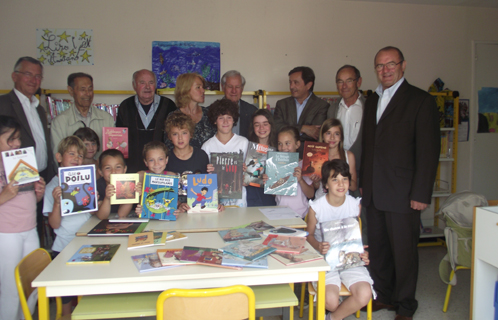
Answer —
17 66
348 66
135 74
232 73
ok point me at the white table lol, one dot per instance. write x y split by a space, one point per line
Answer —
121 275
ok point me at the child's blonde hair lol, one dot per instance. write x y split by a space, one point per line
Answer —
179 120
154 145
69 142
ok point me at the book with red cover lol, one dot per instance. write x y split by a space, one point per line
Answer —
214 258
115 138
228 167
314 155
285 244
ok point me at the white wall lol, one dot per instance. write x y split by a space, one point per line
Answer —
263 39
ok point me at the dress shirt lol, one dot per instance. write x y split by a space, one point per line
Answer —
300 106
386 96
147 118
36 127
351 121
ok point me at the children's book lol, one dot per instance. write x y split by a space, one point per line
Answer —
116 218
125 188
314 155
260 226
140 240
280 170
175 235
344 237
20 165
94 253
248 250
214 258
115 138
159 197
255 164
193 254
239 234
233 261
228 167
171 257
289 258
160 238
148 262
106 228
79 189
202 195
285 244
286 231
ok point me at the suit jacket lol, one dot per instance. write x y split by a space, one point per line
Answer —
314 113
11 106
246 111
400 152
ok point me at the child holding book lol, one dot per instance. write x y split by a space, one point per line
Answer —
336 205
92 144
18 235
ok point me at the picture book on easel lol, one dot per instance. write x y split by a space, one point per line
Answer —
159 197
202 195
228 168
79 189
20 165
255 163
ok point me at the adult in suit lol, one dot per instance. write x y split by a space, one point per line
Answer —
144 115
401 144
232 84
303 109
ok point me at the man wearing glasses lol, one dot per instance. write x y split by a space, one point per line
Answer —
401 145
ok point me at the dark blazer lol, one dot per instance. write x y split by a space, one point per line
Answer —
401 153
246 111
11 106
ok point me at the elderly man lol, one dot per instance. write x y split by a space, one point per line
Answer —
303 109
232 83
144 115
82 114
401 144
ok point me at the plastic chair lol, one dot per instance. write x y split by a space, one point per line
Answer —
226 303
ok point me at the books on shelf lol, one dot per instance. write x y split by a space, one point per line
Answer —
239 234
280 170
285 244
248 250
115 138
171 257
175 235
159 197
79 189
125 188
106 228
233 261
149 262
314 155
286 231
20 165
290 259
202 193
228 168
255 163
140 240
94 253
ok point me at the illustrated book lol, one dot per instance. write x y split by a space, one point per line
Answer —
228 168
202 194
285 244
115 138
255 163
175 235
314 156
171 257
106 228
140 240
289 259
280 170
214 258
94 253
79 189
249 250
260 226
239 234
193 254
20 165
125 188
159 197
160 238
233 261
148 262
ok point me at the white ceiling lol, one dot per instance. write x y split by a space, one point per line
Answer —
464 3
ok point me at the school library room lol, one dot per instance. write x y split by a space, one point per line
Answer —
271 73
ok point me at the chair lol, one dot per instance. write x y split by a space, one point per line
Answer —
226 303
272 299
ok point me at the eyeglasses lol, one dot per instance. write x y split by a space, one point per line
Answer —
390 65
30 76
347 81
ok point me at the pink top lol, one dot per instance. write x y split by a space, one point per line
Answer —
298 203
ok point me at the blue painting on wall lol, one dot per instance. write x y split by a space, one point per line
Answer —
172 58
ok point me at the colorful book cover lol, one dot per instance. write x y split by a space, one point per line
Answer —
285 244
260 226
79 188
255 164
171 257
193 254
106 228
148 262
239 234
248 250
314 155
344 237
233 261
175 235
202 195
20 165
160 238
125 188
94 253
228 168
159 197
289 259
280 170
115 138
140 240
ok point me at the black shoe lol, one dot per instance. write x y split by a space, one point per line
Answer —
377 305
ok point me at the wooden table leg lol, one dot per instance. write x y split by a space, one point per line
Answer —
43 304
320 307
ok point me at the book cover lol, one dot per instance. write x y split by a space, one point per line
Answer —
115 138
159 197
125 188
160 238
260 226
285 244
116 218
314 155
228 168
344 237
286 231
280 170
202 195
94 253
79 189
106 228
289 259
255 163
171 257
148 262
20 165
248 250
140 240
193 254
175 235
239 234
233 261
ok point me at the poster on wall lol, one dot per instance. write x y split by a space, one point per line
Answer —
488 110
463 120
173 58
62 47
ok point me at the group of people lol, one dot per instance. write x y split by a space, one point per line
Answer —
384 149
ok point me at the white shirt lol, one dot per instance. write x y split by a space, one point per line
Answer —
386 96
36 127
351 121
147 118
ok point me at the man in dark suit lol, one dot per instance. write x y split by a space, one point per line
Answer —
303 109
401 145
232 83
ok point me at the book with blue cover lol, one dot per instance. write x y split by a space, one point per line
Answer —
79 189
233 261
202 193
239 234
249 250
94 253
159 197
280 170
